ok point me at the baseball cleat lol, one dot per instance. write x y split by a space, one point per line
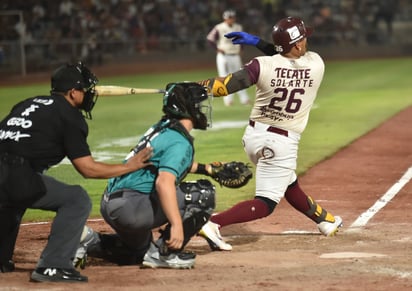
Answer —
178 260
210 231
330 228
91 238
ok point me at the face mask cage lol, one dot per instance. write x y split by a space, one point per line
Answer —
205 108
89 100
202 106
90 94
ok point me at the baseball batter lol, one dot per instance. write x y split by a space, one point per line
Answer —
286 87
228 58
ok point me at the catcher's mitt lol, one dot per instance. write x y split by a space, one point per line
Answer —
232 175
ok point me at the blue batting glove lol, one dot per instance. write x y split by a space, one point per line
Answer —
240 37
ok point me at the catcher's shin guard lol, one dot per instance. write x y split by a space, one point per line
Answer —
191 226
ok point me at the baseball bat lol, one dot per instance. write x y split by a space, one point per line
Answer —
109 90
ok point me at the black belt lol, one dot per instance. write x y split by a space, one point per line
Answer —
271 129
113 195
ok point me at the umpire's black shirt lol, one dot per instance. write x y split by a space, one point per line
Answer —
44 130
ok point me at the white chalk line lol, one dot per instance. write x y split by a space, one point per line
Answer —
49 222
363 219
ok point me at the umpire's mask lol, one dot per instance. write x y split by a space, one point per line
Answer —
77 77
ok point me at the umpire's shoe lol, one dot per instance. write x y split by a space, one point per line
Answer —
172 260
57 275
7 267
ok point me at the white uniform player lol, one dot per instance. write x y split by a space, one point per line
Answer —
228 58
286 90
286 87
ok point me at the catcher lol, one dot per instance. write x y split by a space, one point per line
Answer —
155 197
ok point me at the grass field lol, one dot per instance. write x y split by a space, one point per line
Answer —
354 98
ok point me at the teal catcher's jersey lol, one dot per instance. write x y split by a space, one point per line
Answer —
172 152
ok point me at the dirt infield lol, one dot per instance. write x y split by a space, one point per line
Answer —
285 251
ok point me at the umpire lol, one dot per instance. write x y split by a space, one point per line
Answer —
37 134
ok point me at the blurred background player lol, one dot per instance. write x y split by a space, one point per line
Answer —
228 59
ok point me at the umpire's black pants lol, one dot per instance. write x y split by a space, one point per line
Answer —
72 206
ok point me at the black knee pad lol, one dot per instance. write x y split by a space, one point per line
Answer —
199 194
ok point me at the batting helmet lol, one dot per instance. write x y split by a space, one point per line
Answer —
184 100
287 32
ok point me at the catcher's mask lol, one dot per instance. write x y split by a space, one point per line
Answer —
287 32
185 100
77 77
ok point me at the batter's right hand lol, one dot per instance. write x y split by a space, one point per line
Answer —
240 37
141 158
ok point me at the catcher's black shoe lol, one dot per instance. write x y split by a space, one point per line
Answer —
57 275
91 239
6 267
176 260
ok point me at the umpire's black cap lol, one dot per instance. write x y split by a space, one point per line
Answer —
67 77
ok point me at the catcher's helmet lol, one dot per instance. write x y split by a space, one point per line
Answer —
184 100
77 77
287 32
